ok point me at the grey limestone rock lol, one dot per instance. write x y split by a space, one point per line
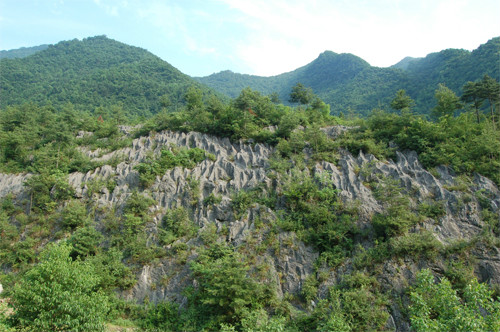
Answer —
238 166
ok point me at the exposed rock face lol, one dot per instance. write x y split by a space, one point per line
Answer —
12 184
239 166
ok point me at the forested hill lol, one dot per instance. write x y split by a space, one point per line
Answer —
22 52
347 82
99 71
94 72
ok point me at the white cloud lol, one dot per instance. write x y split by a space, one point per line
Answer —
112 7
284 35
270 37
174 23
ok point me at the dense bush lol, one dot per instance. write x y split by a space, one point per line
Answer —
446 142
438 307
85 242
232 291
59 294
176 223
153 167
47 190
315 210
224 291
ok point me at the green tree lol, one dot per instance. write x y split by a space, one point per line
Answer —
472 94
402 101
165 101
47 189
302 95
194 99
275 97
85 242
490 90
438 307
59 294
225 292
74 215
447 102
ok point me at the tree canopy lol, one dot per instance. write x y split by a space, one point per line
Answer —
59 294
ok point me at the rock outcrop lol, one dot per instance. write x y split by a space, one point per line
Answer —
239 166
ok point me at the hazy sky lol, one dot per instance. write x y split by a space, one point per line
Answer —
262 37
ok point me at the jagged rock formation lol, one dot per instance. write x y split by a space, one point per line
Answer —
239 166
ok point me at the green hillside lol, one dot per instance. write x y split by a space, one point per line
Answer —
22 52
91 73
100 72
246 214
347 82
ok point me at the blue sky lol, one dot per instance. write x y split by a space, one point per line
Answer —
261 37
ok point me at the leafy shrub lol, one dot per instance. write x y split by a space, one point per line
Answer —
314 207
437 306
22 252
8 232
163 316
224 292
96 185
112 272
241 201
433 210
310 288
398 216
387 226
356 304
363 305
59 294
259 321
422 244
85 242
74 215
459 274
47 189
209 234
176 223
168 159
138 204
212 199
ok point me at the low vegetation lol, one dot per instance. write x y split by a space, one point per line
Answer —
64 258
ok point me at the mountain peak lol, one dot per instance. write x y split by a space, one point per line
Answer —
403 64
94 72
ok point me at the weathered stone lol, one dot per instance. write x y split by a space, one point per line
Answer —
239 166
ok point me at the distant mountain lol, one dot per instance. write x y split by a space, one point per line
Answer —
22 52
329 69
93 72
403 64
99 71
348 82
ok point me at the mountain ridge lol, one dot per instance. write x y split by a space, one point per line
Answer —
365 87
22 52
91 73
101 72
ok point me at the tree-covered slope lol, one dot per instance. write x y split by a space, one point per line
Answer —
22 52
329 71
347 82
102 72
452 67
93 72
248 216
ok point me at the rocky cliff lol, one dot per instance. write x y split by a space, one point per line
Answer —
207 191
